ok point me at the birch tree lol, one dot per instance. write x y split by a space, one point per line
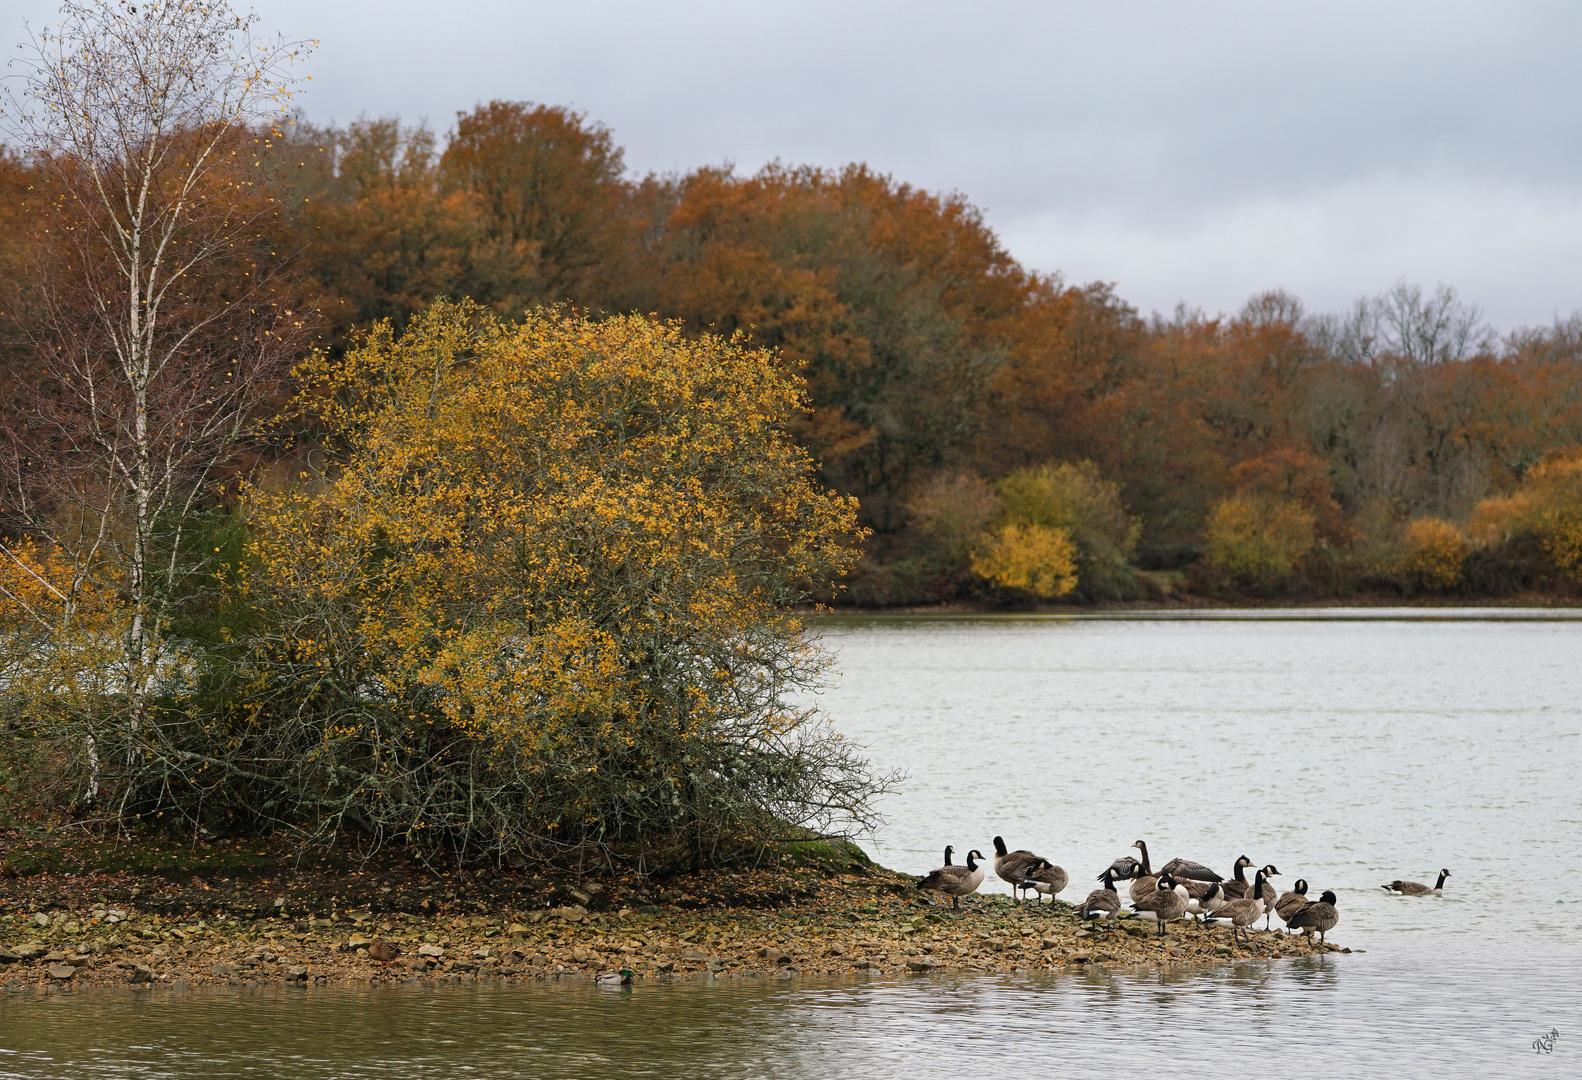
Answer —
157 320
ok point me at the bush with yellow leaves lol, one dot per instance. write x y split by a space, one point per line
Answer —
1256 540
542 600
1432 555
1033 559
1546 508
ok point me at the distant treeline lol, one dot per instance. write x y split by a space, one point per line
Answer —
1010 436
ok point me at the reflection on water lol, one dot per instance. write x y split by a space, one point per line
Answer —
1323 1011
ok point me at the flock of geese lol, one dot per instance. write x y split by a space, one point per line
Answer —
1180 889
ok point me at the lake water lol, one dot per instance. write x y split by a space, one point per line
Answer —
1349 748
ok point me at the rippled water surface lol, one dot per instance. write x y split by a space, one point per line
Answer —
1346 748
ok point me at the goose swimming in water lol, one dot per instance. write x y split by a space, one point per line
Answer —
1417 888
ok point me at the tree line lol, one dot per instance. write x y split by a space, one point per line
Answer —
1272 452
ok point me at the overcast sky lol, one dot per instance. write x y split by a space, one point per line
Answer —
1195 152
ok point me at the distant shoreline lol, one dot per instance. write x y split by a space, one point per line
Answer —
1227 609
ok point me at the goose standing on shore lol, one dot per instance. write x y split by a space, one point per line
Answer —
1166 903
1103 903
1291 902
1045 878
1417 888
1182 869
1012 866
1269 898
1237 887
1318 915
1240 914
1207 900
1144 880
1123 869
956 881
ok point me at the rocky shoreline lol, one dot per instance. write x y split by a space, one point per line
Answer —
858 923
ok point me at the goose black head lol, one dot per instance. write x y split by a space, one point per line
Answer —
1166 882
999 846
1269 871
1244 861
1300 886
1328 898
1446 873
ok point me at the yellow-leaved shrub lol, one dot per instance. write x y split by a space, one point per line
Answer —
544 597
1033 559
1433 552
1257 540
1547 507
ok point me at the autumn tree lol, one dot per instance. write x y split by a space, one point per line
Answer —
552 186
1075 498
383 234
155 321
892 300
543 600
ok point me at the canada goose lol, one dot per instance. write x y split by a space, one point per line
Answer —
1417 888
1268 894
1124 868
1237 888
1012 866
1240 914
1104 903
1143 879
956 881
1165 903
1185 868
1208 902
1045 878
382 951
1290 902
614 978
1319 915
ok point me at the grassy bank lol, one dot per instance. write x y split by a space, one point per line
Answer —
75 911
